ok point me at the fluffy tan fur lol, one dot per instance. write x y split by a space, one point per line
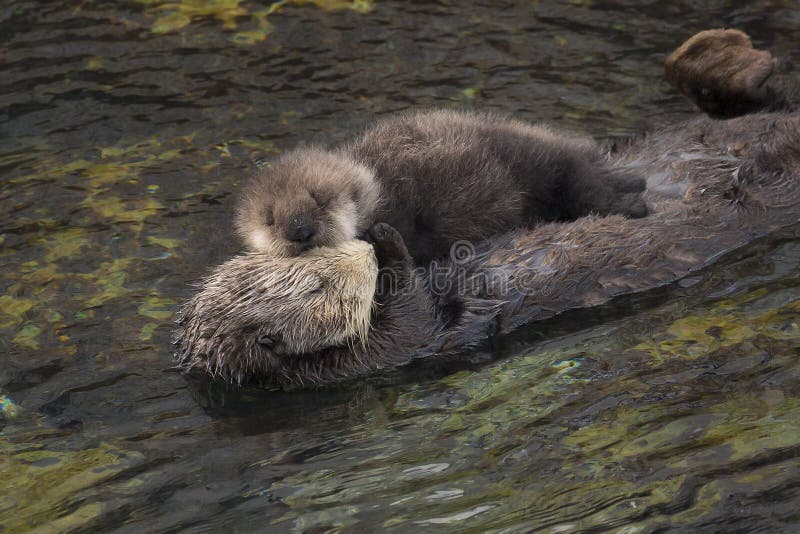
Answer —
321 298
334 193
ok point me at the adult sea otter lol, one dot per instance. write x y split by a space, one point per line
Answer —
712 186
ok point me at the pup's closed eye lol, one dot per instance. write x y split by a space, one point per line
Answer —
321 200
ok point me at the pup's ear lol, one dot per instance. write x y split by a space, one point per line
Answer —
366 194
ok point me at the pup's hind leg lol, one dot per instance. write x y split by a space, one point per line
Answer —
593 187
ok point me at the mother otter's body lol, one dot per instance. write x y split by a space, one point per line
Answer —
712 187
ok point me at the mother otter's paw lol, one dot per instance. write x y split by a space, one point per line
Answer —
394 261
721 73
390 248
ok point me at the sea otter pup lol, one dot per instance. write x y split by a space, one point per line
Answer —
705 198
437 177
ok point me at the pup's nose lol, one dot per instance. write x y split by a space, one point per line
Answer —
300 232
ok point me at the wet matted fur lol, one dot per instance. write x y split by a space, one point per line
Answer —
292 306
723 75
712 186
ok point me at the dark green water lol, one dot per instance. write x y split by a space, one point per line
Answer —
126 129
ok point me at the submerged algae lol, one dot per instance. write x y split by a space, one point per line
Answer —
92 259
596 429
56 490
176 15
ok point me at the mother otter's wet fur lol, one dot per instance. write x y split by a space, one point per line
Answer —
437 177
255 304
713 186
722 74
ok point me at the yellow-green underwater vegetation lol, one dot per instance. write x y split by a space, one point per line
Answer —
125 132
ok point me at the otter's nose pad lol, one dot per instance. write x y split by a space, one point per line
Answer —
299 231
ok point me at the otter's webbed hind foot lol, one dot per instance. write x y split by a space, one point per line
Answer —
597 188
723 75
631 205
626 195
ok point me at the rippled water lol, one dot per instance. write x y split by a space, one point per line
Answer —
125 130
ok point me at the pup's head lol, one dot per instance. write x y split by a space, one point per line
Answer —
254 311
308 198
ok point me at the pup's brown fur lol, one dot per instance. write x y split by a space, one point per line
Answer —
331 194
437 177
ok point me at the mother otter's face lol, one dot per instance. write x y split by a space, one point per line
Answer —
254 311
308 198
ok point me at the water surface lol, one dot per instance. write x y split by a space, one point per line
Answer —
126 129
